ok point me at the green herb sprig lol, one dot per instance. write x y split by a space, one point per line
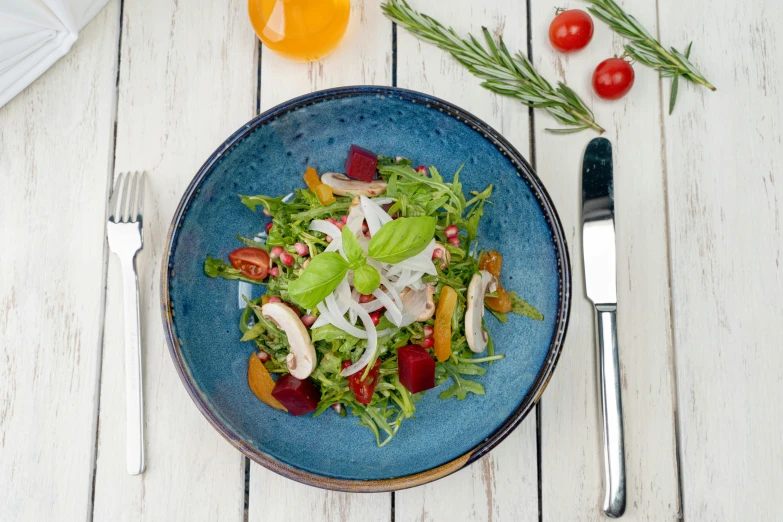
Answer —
502 73
647 50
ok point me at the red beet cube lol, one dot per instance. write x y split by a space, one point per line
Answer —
361 164
416 368
299 397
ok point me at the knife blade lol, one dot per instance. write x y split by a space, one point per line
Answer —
599 252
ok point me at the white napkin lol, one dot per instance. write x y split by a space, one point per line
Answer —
36 33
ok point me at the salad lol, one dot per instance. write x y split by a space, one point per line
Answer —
375 292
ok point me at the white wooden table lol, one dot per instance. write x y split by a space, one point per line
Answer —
158 84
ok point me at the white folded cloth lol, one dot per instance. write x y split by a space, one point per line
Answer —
36 33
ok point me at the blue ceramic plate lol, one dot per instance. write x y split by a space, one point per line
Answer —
268 156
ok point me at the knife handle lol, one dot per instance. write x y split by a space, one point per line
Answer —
612 411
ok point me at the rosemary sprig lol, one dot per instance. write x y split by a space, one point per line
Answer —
502 73
647 50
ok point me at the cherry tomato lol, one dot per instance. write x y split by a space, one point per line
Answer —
252 262
571 31
613 78
363 389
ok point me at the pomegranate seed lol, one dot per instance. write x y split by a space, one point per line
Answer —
428 331
263 356
301 249
287 259
454 240
437 253
269 227
451 231
332 221
275 252
275 299
428 342
294 308
266 213
328 239
274 272
366 298
421 169
376 317
308 320
365 228
306 262
344 219
337 407
340 225
367 234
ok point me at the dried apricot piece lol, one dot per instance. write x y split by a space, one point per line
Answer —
442 330
262 383
311 178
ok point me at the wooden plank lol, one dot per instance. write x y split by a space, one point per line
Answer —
363 57
572 452
723 153
55 153
504 484
188 76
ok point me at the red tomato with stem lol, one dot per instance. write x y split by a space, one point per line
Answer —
613 78
571 31
363 389
252 262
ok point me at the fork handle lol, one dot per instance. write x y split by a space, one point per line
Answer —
134 405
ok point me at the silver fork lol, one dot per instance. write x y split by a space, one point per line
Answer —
125 234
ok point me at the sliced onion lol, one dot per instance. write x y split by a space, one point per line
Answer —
343 296
393 313
321 321
330 307
387 331
355 219
392 292
422 261
351 312
375 304
372 343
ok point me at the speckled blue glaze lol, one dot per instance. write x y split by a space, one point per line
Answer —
268 156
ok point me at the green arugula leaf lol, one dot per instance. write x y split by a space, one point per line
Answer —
219 268
329 332
271 205
366 279
461 388
521 307
319 279
352 249
401 239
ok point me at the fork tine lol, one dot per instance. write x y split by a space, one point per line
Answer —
115 198
140 201
124 205
134 190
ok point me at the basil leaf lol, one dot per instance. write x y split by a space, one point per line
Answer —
319 279
402 238
366 279
352 248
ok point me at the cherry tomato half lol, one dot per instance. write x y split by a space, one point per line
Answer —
363 389
613 78
252 262
571 31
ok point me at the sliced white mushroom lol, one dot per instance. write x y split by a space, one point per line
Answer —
418 305
301 359
480 284
342 185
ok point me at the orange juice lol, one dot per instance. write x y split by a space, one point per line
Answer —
302 30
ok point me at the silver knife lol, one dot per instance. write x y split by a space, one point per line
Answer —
598 244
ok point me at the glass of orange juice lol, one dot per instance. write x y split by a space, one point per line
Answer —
302 30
